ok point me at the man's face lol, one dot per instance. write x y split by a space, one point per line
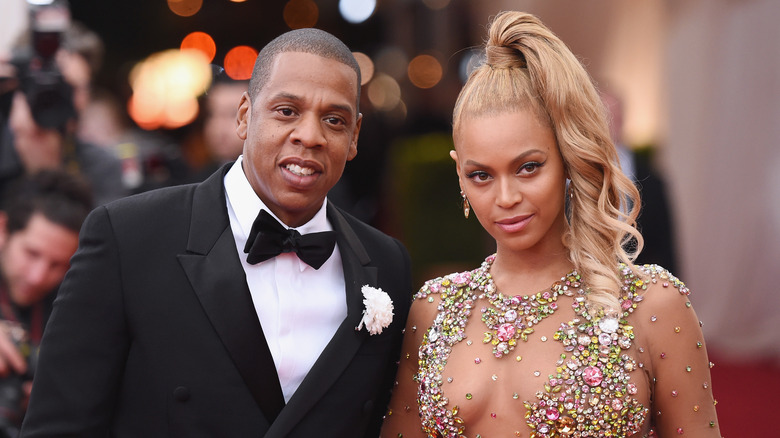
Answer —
299 132
33 261
219 126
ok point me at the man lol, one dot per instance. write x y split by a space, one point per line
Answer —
165 326
39 227
43 116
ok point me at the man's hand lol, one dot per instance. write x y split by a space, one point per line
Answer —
11 359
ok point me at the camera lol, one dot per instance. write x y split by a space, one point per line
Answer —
49 96
12 393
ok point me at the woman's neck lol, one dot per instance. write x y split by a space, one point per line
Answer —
523 272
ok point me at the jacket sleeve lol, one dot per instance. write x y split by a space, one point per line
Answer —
85 343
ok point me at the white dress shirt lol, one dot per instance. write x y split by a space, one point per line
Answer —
299 307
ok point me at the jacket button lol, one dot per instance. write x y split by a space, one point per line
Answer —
182 393
368 407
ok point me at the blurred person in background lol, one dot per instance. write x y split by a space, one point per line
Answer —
219 130
220 139
558 333
52 68
655 215
39 226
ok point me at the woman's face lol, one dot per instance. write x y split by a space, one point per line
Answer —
510 168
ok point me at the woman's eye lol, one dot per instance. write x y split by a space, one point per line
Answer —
529 168
478 176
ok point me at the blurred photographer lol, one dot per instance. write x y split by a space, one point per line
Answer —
49 76
39 227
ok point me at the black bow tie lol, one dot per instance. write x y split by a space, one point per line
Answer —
269 238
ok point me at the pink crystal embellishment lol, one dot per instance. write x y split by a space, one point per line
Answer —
592 376
505 332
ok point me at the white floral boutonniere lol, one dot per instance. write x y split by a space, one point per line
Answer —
378 313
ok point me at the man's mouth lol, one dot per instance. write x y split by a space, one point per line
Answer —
298 170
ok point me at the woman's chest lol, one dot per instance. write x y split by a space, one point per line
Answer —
566 374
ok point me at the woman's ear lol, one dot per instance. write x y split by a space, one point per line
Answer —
454 156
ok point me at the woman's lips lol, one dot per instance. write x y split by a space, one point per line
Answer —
514 224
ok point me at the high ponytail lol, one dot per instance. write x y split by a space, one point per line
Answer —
529 68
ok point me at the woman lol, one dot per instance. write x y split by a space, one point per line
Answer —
558 334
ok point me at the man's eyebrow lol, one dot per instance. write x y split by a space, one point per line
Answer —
296 98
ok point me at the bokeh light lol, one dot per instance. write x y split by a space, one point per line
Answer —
425 71
366 67
357 11
384 93
239 62
185 8
471 61
200 41
166 86
393 61
301 13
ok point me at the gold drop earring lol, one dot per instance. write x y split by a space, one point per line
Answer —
466 205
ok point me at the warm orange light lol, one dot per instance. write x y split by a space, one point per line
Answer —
166 86
424 71
185 8
300 13
384 93
200 41
180 112
144 113
239 62
366 67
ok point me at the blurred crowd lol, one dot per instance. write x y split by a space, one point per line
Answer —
67 146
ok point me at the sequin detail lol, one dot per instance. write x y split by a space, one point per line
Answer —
591 394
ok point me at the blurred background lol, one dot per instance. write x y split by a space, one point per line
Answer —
697 91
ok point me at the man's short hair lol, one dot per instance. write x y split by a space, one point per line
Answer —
308 40
62 198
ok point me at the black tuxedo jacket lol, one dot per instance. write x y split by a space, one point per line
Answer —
154 333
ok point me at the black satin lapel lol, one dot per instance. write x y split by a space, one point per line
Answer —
220 284
345 342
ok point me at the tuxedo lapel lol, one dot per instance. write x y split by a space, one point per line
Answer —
214 270
339 352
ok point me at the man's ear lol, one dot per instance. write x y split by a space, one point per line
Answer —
244 115
353 143
3 229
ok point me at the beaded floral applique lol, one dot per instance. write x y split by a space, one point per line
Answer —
591 393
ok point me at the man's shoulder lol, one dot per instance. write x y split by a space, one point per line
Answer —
154 198
364 230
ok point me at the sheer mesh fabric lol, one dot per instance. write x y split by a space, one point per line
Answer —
652 379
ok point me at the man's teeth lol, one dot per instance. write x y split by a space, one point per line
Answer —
300 171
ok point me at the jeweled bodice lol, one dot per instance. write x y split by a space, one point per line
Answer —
568 373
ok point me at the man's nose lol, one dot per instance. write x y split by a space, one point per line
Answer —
309 132
38 272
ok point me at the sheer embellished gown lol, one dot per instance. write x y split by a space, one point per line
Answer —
478 363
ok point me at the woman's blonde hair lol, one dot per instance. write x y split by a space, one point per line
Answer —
529 68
